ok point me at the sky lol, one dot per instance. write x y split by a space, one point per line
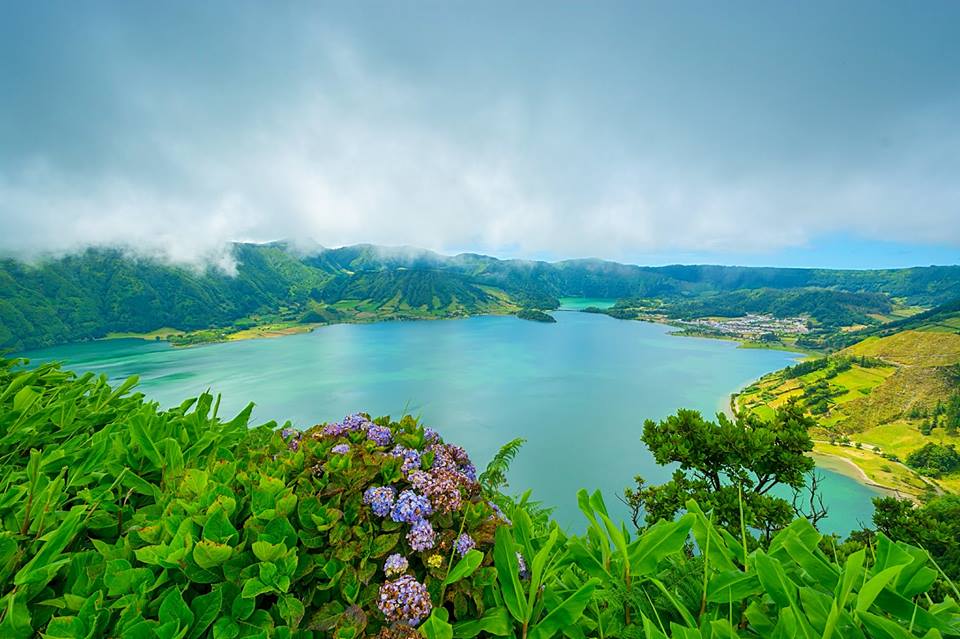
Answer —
775 133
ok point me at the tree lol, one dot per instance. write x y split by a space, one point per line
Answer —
727 466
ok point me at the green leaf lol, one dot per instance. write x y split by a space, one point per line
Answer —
205 608
873 587
254 587
495 621
775 581
174 609
436 625
662 539
209 554
567 613
505 560
225 628
465 567
43 567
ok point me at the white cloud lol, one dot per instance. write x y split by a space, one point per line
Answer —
358 154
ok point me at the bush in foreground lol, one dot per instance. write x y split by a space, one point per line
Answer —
121 520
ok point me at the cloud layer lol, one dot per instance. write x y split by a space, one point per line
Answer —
176 133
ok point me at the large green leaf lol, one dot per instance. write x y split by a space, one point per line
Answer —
566 614
508 568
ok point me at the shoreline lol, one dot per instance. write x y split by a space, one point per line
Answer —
848 468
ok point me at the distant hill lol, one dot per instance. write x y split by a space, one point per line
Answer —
101 291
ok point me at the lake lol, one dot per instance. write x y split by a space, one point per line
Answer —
578 390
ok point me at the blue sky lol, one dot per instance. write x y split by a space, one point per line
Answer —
777 133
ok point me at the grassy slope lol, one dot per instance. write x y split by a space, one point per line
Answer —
872 405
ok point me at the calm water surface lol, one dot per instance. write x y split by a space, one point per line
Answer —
577 390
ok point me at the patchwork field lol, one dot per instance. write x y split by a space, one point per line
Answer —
874 402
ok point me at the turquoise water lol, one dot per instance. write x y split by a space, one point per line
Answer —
578 303
577 390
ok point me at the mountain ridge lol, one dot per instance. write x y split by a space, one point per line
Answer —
90 294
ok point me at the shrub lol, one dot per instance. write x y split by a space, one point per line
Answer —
122 520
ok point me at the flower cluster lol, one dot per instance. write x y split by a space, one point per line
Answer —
441 486
380 499
404 600
499 514
292 437
411 459
411 508
380 435
396 564
464 544
427 482
350 423
421 536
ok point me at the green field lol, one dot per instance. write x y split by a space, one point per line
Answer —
880 400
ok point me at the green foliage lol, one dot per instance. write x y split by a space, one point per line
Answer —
934 459
119 519
536 316
494 477
727 466
934 526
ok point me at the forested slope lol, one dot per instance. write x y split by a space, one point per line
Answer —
99 291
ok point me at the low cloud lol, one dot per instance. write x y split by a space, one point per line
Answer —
355 153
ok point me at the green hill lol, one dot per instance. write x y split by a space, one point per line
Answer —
100 292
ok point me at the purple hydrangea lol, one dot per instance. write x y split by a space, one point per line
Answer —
380 499
350 423
380 435
470 471
292 437
340 449
499 514
411 507
441 486
421 536
463 544
356 422
396 564
404 600
523 573
411 459
431 435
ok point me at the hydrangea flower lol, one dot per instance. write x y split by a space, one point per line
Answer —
523 573
380 499
499 514
434 561
341 449
356 422
396 564
431 435
421 536
411 458
411 507
292 437
463 544
404 600
441 486
350 423
380 435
